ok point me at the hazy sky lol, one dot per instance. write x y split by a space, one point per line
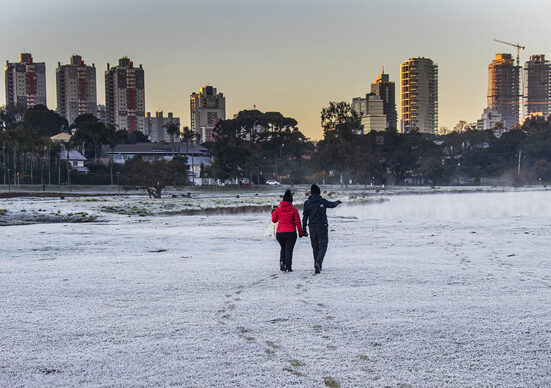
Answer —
292 56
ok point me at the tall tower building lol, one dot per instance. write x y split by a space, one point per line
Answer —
25 82
385 89
419 95
125 96
537 86
503 88
206 108
76 89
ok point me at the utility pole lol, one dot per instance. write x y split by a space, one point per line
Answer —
518 169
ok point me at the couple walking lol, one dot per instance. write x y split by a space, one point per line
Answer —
313 216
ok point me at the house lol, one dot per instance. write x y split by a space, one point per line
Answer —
76 160
61 137
196 154
153 151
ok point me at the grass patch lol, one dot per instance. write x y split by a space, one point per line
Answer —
331 382
295 372
3 212
296 363
127 211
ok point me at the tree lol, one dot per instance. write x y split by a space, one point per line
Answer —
188 136
111 137
91 131
44 122
172 129
154 177
341 128
254 142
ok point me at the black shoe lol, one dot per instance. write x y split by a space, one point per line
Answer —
282 266
289 270
317 268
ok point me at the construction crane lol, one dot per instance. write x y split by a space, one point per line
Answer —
518 46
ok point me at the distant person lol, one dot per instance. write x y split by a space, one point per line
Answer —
286 235
315 217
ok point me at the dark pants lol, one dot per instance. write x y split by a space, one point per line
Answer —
319 238
287 242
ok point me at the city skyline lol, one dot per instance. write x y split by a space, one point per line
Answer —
301 55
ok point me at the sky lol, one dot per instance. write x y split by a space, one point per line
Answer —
292 56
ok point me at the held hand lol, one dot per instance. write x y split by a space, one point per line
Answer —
339 202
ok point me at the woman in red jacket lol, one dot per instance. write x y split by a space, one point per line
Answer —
289 222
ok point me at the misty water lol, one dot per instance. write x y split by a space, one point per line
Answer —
462 206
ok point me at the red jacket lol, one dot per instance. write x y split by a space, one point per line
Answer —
288 218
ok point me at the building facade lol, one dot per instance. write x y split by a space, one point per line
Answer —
503 89
25 82
419 95
206 108
537 86
371 112
489 119
125 96
155 127
76 89
385 89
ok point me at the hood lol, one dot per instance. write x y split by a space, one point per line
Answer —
285 205
314 198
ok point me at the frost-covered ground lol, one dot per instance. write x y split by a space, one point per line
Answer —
421 290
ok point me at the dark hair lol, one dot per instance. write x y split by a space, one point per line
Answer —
315 189
288 196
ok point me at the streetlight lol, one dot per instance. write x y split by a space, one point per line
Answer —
9 180
119 181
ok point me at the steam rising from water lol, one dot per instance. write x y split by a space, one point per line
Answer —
453 206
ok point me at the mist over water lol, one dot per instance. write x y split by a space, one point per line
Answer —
452 206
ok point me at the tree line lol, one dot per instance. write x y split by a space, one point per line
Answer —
261 146
256 146
29 156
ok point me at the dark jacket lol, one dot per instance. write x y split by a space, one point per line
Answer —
287 218
314 210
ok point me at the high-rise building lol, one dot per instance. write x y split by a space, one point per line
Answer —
206 108
76 89
102 114
537 86
503 88
370 109
125 96
385 89
25 82
419 95
155 127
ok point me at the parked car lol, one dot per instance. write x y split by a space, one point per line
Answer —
272 182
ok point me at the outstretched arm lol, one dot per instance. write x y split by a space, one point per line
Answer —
330 204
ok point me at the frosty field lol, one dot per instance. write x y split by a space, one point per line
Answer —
440 290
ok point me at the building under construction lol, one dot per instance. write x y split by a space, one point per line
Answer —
503 89
537 86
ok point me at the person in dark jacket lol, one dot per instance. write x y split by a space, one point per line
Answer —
289 222
315 217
